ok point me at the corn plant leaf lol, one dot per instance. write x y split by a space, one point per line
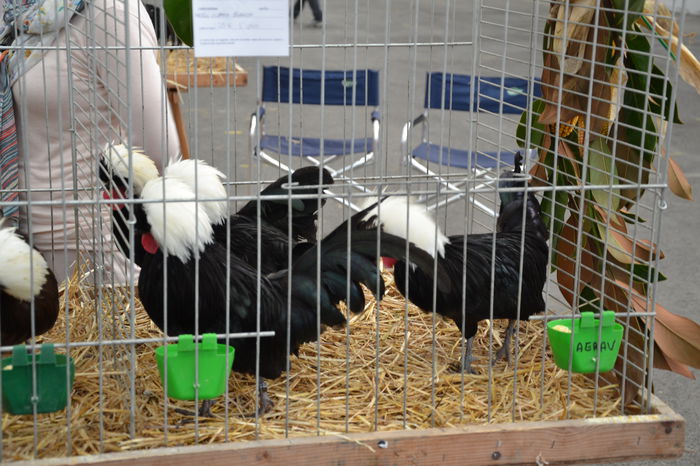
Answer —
601 171
538 172
630 167
677 336
648 250
689 67
632 7
647 274
620 245
664 362
677 181
661 96
631 218
569 164
662 14
537 129
631 361
566 261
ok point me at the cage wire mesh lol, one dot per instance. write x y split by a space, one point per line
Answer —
441 125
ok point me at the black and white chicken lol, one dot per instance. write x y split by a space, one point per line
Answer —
25 277
187 243
469 301
244 228
274 220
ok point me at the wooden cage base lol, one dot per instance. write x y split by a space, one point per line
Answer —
619 438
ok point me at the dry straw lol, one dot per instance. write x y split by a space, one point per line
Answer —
384 376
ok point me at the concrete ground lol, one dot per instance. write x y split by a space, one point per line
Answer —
218 124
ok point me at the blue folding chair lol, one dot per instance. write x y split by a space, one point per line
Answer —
359 88
448 91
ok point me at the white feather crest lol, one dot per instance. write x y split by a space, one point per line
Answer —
16 262
181 228
209 185
420 229
117 156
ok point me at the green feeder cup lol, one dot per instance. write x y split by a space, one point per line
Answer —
51 388
213 367
586 344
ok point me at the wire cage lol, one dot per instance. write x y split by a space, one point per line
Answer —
530 141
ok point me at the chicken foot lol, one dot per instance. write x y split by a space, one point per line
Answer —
203 411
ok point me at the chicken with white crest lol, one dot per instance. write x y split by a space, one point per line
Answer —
274 220
206 181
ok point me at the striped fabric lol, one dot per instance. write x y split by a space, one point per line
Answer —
9 160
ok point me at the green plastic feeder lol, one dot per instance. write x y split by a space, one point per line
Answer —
51 389
584 350
213 367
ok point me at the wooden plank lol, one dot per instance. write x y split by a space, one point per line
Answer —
238 77
174 98
617 438
183 71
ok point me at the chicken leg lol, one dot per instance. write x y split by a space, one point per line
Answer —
266 404
465 365
504 351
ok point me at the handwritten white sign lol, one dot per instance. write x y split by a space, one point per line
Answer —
240 28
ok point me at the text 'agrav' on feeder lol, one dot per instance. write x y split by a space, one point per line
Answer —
54 380
591 342
205 365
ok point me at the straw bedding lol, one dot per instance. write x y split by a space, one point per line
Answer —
385 380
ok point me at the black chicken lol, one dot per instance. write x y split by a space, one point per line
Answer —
474 294
189 234
24 276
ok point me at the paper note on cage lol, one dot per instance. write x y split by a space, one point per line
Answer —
240 28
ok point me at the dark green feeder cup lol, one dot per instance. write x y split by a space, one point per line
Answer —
51 389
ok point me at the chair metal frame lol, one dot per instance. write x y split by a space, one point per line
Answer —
363 89
442 93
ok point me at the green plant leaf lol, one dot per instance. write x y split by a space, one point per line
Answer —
661 94
560 201
537 130
639 66
646 273
633 8
633 115
631 218
179 13
601 171
588 300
